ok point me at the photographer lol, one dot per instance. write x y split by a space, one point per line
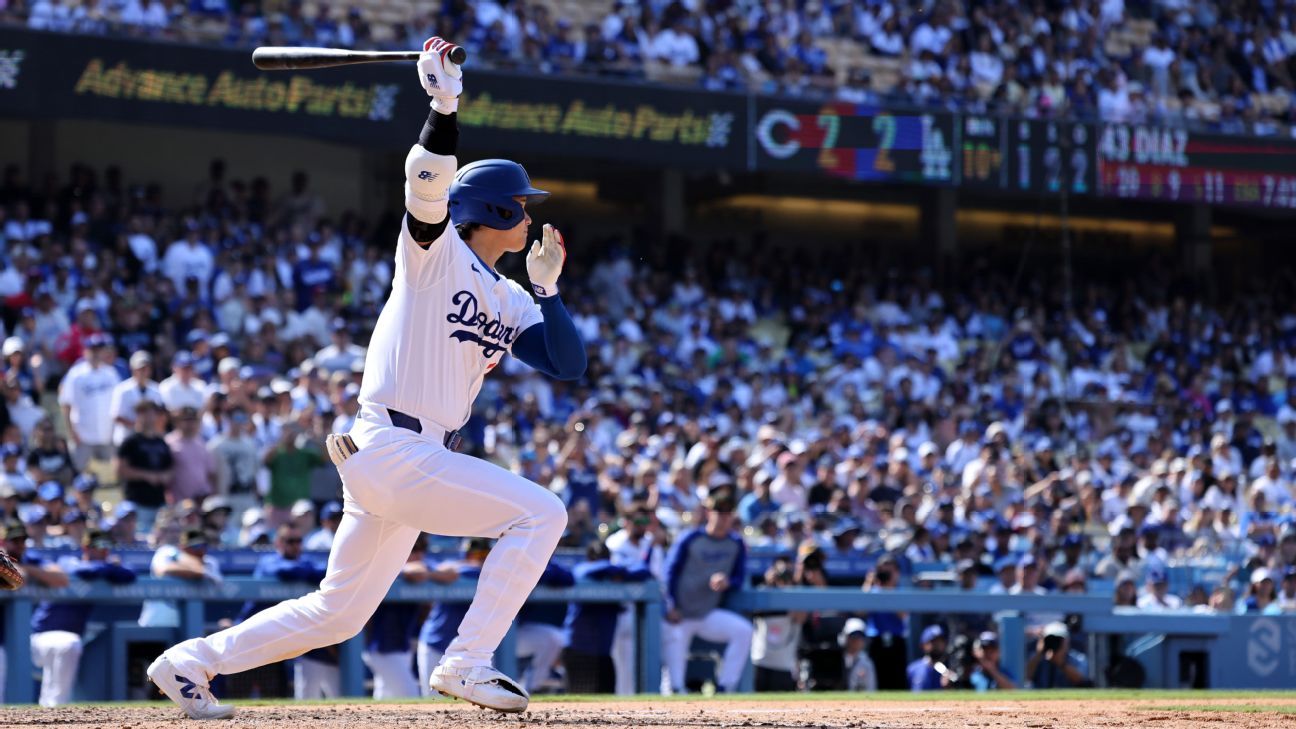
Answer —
1054 665
929 673
988 673
886 630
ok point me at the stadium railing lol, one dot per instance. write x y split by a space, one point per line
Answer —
1242 651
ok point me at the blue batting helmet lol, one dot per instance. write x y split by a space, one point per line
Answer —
483 193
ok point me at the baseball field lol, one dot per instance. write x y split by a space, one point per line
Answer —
1037 710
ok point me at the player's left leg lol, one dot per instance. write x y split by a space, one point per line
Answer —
427 658
314 679
368 552
623 651
735 631
677 639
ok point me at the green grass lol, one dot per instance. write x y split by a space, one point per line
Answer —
1259 698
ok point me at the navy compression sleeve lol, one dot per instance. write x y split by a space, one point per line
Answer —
553 346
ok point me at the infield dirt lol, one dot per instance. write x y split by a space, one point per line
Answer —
1195 711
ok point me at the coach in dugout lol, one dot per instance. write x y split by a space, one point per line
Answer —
703 566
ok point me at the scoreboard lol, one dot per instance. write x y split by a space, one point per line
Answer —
982 152
1176 165
1026 155
854 141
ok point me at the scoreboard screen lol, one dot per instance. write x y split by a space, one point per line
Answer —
854 141
1026 155
1176 165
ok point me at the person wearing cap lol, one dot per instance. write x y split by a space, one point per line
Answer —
790 488
929 672
1261 596
591 628
758 501
858 671
1054 664
342 353
85 396
16 366
127 394
188 561
237 459
703 565
1158 597
776 638
14 474
443 620
1122 556
388 647
987 672
57 627
49 459
72 343
321 540
183 388
290 462
1287 591
193 474
637 545
145 464
36 571
315 674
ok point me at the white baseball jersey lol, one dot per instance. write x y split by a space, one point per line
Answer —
448 322
88 391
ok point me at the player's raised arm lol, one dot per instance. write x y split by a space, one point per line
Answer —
431 164
554 345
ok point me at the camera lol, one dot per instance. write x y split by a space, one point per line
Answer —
1052 642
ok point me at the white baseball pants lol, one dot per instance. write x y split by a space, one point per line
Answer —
544 644
427 659
57 653
399 484
623 651
316 680
717 626
392 675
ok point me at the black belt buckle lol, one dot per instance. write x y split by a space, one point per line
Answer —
453 440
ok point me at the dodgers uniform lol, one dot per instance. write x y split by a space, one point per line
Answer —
449 320
692 560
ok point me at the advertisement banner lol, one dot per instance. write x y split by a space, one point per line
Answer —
378 105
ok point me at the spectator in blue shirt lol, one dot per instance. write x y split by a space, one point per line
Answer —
928 673
591 626
987 672
57 627
443 620
315 674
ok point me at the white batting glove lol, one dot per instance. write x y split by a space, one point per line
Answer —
545 261
441 78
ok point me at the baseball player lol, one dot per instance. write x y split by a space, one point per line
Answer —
449 320
703 565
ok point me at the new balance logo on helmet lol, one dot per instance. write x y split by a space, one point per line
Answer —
426 175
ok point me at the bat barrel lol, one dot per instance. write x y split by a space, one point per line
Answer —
281 58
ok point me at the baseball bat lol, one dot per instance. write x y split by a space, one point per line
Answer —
291 58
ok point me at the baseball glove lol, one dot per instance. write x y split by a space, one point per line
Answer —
11 578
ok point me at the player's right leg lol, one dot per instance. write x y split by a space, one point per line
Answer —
368 553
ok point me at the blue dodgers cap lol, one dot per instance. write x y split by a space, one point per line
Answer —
1004 563
932 632
10 450
196 336
124 509
31 513
85 482
331 510
50 491
182 359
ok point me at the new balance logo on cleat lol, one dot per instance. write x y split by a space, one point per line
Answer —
186 687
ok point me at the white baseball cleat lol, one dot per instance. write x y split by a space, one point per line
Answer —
480 685
196 700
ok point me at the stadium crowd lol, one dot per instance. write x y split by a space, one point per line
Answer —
1222 66
169 375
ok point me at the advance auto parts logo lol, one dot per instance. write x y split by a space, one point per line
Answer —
644 122
296 95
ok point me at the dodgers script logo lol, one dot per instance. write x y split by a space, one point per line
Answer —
491 335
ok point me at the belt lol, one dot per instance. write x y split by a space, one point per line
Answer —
452 438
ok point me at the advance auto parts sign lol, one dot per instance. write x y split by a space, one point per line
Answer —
603 120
